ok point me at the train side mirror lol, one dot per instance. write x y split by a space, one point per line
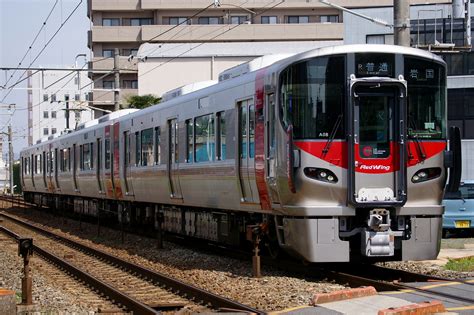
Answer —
25 247
455 163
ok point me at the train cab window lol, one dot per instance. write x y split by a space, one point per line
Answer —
312 97
204 147
221 133
147 147
137 148
107 154
426 98
157 146
189 141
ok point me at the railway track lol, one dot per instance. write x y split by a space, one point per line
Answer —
134 287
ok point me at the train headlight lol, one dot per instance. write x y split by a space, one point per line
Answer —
320 174
426 174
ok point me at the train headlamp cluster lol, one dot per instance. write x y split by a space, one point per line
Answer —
426 174
321 174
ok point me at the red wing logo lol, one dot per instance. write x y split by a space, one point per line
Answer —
367 151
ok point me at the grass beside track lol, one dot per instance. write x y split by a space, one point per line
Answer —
461 264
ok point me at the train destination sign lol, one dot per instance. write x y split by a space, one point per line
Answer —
374 65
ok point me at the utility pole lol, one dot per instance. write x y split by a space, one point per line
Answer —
66 114
401 19
10 156
117 80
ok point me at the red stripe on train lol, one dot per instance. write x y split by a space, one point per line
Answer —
337 155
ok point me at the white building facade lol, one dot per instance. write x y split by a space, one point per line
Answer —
49 95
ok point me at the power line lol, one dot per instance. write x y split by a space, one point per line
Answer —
32 43
45 46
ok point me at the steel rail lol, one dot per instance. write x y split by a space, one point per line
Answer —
113 294
189 290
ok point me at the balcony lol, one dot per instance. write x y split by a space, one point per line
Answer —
125 66
106 97
243 32
115 5
118 34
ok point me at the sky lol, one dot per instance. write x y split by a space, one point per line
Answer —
20 22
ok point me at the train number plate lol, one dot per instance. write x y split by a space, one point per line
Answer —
462 224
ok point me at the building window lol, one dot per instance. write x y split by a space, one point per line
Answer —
45 97
77 114
66 97
45 131
179 20
111 22
108 53
45 114
269 20
204 147
53 114
189 141
329 18
157 146
53 97
141 21
238 19
77 97
375 39
130 84
54 131
298 19
209 20
109 85
147 147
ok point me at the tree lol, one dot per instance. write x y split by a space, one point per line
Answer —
142 101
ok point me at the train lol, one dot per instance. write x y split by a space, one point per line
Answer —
337 154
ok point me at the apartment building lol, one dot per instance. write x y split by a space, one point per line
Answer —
50 93
126 24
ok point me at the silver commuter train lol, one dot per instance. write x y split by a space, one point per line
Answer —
336 154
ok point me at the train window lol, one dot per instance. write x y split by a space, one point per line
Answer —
64 160
204 148
81 157
51 161
137 148
157 146
91 154
426 98
69 159
189 140
243 130
86 157
107 154
126 146
147 147
313 96
221 133
251 131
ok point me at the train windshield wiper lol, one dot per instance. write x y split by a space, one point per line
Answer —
332 135
418 144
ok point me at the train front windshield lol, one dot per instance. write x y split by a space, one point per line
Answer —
313 95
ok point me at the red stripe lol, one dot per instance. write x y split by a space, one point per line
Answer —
337 155
260 141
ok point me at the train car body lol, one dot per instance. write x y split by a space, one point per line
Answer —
336 154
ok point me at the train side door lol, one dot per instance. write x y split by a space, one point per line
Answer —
378 175
246 149
173 159
126 163
270 152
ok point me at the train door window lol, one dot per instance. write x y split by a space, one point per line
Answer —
251 131
137 148
69 159
44 164
126 148
204 145
157 146
221 133
146 145
99 163
91 155
189 140
271 125
107 154
86 157
61 160
81 158
243 130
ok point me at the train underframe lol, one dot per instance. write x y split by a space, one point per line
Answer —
369 236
